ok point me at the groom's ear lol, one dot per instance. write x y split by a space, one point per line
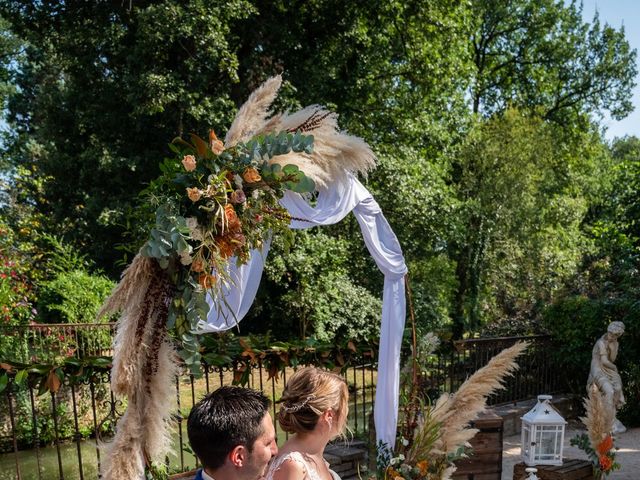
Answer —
238 456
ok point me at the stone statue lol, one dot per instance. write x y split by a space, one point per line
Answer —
604 374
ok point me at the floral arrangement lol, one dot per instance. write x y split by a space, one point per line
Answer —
215 200
598 443
214 203
439 434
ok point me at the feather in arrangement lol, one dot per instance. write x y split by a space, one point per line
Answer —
443 428
334 153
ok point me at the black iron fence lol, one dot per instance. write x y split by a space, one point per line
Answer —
456 361
57 435
53 342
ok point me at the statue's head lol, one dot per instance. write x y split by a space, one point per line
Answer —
616 329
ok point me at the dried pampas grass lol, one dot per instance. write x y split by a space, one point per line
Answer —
598 418
471 398
335 153
444 427
144 369
130 298
253 114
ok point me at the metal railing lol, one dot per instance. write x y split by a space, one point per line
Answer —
56 436
48 342
458 360
83 414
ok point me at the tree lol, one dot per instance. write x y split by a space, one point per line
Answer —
101 90
540 55
436 87
605 287
523 192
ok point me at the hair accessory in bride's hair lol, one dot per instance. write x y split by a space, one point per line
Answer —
297 406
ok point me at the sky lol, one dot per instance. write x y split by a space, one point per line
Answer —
619 13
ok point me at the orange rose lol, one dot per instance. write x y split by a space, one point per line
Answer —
189 163
392 474
194 194
216 146
251 175
206 281
605 445
605 463
233 222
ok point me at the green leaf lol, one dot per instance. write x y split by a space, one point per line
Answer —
290 169
4 381
306 185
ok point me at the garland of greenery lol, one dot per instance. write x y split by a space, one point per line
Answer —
221 351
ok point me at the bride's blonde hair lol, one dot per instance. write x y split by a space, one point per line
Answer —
308 394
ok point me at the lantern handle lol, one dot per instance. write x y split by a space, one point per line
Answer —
532 473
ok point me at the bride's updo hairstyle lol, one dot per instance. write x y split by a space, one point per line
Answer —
308 394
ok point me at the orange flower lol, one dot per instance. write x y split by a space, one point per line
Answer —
197 265
233 222
605 445
605 463
189 163
194 194
206 280
251 175
225 247
423 465
215 145
392 474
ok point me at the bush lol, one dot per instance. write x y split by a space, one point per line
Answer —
73 297
609 291
309 292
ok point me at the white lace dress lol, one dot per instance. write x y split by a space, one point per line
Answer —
310 472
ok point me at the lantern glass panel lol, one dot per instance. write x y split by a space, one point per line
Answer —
526 440
548 440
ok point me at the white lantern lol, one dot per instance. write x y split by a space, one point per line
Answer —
542 434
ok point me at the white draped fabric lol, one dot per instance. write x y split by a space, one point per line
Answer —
333 205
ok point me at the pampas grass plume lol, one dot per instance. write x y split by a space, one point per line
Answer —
452 413
598 418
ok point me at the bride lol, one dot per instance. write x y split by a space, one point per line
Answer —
314 407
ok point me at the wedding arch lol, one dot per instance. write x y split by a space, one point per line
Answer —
201 267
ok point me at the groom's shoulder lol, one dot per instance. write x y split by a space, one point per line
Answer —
198 475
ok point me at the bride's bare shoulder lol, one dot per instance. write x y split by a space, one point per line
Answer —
289 468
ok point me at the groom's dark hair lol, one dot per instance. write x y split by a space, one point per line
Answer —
224 419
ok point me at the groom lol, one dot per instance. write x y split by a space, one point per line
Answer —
231 432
